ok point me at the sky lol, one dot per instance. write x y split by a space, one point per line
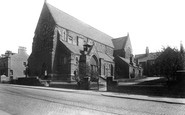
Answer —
152 23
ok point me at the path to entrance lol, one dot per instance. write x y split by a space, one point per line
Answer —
134 82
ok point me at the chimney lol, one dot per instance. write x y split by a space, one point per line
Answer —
131 59
147 51
21 49
8 53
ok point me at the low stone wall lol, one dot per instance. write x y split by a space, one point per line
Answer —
112 85
180 76
29 81
172 89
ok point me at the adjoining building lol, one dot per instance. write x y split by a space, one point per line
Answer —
62 44
146 61
13 65
125 67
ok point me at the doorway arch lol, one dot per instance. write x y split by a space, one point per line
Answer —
94 67
94 63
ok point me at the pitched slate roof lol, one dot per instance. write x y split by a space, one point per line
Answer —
105 57
144 57
138 56
119 43
66 21
72 48
127 61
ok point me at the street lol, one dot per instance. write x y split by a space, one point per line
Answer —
20 100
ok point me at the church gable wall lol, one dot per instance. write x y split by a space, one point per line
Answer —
42 46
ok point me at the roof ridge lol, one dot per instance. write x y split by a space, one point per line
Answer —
122 37
81 24
67 14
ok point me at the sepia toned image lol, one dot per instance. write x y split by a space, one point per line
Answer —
91 57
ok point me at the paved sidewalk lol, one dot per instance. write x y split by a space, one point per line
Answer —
4 113
112 94
146 98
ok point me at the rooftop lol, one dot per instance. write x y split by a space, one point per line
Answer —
150 56
64 20
119 43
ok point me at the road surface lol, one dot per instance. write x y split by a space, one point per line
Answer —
18 100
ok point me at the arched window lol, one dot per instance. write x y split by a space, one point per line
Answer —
112 70
105 69
65 60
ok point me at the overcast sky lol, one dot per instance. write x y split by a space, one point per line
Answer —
152 23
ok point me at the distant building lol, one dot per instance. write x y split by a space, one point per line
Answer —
146 61
13 65
125 67
62 44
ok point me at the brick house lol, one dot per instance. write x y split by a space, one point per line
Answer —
13 65
125 67
62 43
146 61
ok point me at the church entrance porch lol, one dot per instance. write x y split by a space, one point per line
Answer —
94 75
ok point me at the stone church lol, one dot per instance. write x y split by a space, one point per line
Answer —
63 46
125 67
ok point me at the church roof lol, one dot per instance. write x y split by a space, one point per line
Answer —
72 48
105 57
119 43
127 61
64 20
